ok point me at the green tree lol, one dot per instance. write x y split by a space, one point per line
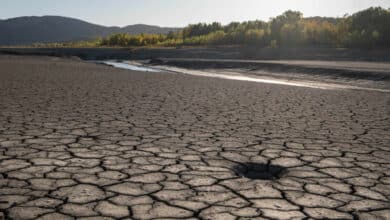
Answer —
287 28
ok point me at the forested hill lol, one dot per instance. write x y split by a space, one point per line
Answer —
46 29
368 28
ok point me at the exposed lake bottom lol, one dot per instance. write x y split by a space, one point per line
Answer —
233 74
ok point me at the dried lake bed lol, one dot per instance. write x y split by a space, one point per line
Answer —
88 141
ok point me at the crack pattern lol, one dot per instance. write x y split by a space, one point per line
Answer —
85 141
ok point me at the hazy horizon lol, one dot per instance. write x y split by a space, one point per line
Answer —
164 13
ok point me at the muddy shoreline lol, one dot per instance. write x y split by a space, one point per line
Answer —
254 53
368 68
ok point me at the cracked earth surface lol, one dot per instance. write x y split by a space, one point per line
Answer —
86 141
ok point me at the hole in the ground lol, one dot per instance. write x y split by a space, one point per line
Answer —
260 171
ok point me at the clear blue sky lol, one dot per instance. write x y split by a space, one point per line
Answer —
179 12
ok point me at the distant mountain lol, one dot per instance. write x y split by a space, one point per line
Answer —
46 29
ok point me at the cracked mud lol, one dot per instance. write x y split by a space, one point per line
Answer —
86 141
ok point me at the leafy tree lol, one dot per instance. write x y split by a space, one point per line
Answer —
287 28
370 27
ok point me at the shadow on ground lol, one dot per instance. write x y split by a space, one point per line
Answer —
260 171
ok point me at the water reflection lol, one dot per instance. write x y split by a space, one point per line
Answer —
130 66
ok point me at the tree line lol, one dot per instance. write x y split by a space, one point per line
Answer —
364 29
367 28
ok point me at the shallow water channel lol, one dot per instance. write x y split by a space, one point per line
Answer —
232 75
